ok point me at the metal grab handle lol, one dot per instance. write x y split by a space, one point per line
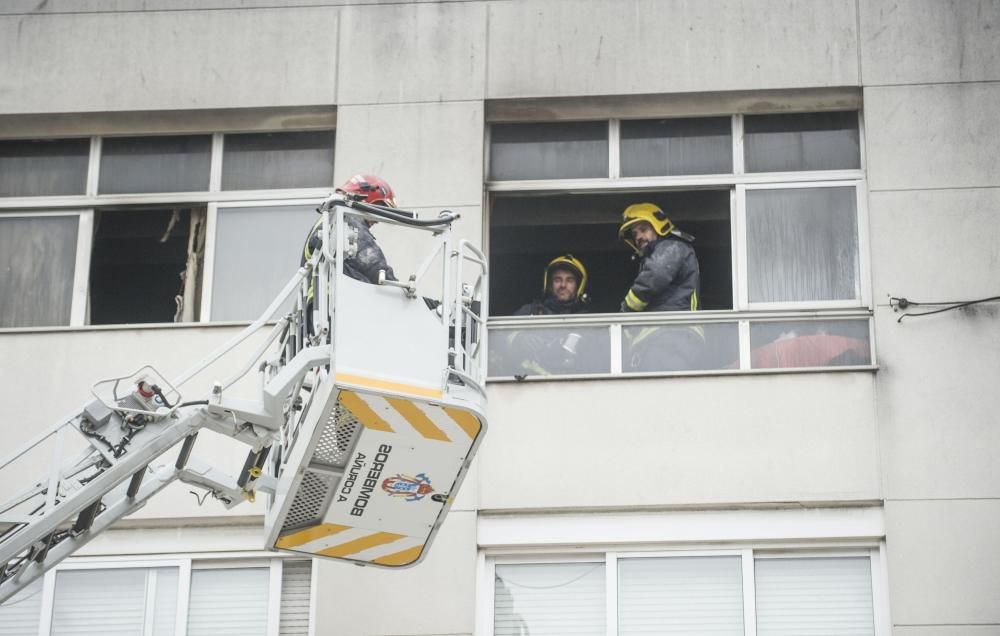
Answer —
409 287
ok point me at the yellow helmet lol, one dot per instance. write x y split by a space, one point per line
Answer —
571 263
643 212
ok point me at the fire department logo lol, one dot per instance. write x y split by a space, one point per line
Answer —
410 488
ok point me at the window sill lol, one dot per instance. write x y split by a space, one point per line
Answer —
873 368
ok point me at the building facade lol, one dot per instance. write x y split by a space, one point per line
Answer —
826 463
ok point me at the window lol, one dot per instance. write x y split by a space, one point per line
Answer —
775 203
733 592
178 221
164 598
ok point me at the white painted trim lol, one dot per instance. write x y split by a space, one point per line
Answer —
274 597
617 348
485 572
659 554
678 182
125 563
611 593
215 163
313 195
741 285
313 588
208 267
738 159
864 246
614 148
852 182
679 527
749 594
880 590
81 269
743 328
48 602
149 610
183 598
93 167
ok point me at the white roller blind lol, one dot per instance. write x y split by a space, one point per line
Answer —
296 591
680 595
113 601
549 599
20 614
164 582
228 602
829 596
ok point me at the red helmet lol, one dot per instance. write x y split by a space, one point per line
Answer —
370 189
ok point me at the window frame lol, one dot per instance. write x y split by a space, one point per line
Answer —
748 552
739 182
185 564
84 205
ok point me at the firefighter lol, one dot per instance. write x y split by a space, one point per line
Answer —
369 259
365 265
564 286
668 280
546 351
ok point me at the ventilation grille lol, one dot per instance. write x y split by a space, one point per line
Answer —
337 438
310 500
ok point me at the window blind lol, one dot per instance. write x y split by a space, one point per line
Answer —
112 601
19 615
549 599
829 596
228 602
296 591
680 595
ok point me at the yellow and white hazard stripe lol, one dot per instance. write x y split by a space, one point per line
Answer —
412 418
332 540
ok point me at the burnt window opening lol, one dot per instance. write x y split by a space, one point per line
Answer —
527 230
146 265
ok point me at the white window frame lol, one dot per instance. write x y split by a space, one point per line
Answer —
748 554
185 564
84 205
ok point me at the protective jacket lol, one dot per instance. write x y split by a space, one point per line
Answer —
668 280
549 306
363 266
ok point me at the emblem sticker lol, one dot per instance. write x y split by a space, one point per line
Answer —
408 487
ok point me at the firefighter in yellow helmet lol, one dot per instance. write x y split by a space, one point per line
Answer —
564 288
553 350
668 280
669 277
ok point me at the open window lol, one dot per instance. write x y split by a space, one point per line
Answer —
527 230
146 265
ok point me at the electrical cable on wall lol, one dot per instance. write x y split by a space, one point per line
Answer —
905 303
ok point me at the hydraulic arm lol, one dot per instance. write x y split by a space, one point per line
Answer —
368 410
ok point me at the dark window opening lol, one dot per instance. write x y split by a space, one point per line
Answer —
529 230
146 265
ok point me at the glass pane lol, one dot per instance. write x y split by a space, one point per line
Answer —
154 164
809 343
107 601
830 596
803 141
676 146
37 261
262 161
680 595
228 602
565 150
42 167
549 351
256 252
20 614
549 599
648 348
802 244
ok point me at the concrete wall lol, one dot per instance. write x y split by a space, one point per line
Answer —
931 85
412 83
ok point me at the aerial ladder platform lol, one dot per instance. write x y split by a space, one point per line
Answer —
368 407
